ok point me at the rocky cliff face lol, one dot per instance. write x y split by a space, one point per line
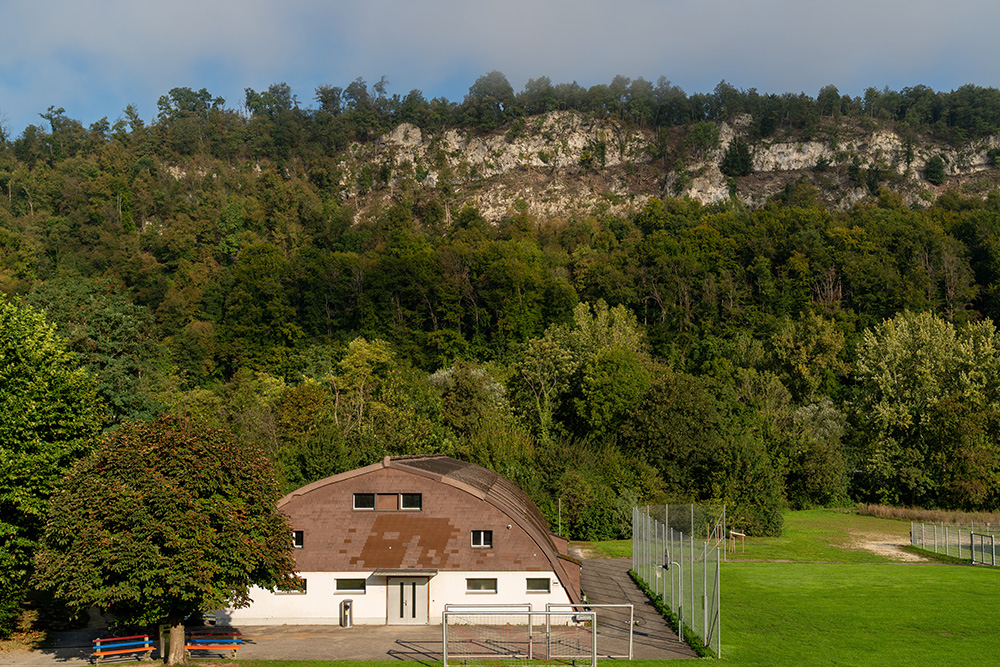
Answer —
567 164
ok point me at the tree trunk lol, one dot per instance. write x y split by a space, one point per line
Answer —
176 655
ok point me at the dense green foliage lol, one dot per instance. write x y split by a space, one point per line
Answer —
934 170
165 519
238 268
737 161
48 413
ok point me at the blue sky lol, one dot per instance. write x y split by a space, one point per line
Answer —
93 58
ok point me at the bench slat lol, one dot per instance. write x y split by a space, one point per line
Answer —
120 644
125 650
118 639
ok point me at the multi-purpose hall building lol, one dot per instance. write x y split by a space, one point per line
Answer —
402 538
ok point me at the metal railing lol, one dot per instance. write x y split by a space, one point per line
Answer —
549 606
506 638
972 542
683 571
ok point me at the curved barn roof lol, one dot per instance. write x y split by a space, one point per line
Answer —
477 481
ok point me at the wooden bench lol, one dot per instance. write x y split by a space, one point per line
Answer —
121 645
213 641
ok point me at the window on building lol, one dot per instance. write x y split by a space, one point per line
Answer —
482 539
298 539
350 585
411 501
293 592
540 585
364 501
481 585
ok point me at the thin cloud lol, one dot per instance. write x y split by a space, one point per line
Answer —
94 58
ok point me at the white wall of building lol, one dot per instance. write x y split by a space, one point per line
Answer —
320 604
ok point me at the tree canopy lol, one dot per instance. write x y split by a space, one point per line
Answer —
164 519
49 411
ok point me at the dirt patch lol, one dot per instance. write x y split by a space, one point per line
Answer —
887 545
582 553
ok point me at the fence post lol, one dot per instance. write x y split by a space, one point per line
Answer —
704 595
444 637
691 537
718 607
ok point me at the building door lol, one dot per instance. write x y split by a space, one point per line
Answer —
407 601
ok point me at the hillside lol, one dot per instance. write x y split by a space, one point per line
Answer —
566 164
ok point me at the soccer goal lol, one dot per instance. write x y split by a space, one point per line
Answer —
518 638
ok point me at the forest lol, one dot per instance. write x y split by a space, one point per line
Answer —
208 265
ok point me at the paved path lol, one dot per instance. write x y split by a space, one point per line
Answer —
606 581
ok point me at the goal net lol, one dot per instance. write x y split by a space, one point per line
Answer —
513 638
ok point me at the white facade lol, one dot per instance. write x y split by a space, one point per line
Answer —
380 603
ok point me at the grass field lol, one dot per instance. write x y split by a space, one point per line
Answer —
859 614
838 602
830 591
826 593
826 536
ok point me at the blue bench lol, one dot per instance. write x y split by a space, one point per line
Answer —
121 645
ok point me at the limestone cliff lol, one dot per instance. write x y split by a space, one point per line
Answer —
565 164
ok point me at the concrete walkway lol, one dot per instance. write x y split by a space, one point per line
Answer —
606 581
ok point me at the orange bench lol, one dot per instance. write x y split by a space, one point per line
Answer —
213 641
121 645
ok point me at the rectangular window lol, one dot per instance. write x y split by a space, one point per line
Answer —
350 585
364 501
482 539
293 592
539 585
411 501
481 585
298 539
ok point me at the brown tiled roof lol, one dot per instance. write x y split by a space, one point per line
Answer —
498 490
481 483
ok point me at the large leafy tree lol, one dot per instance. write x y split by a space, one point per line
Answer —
48 413
165 519
925 382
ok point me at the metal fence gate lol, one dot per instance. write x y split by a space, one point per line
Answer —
972 542
679 566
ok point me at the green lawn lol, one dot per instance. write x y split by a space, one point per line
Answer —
823 536
811 535
859 614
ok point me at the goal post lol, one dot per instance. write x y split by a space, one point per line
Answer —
603 625
513 638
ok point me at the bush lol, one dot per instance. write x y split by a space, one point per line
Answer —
737 160
934 170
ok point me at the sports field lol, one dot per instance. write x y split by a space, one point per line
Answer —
837 590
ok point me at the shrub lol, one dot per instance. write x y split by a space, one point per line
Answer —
737 160
934 170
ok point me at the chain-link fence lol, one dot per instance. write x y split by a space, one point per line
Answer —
676 551
973 542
